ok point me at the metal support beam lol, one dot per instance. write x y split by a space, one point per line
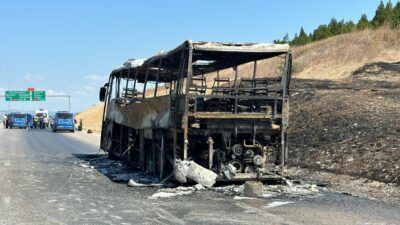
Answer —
210 152
145 81
157 78
141 150
185 121
254 74
134 83
161 163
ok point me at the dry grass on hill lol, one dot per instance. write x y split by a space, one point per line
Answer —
337 57
91 117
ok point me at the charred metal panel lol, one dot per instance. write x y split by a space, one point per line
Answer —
150 114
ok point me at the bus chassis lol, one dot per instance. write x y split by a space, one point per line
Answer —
163 109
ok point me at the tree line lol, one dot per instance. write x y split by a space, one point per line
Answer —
385 15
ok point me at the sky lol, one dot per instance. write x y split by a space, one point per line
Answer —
70 47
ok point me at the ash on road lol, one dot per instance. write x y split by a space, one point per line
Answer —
41 183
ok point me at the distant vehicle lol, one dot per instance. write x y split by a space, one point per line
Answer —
51 120
5 121
17 120
63 121
30 120
42 115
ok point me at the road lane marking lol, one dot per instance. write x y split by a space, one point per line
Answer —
7 200
277 203
7 163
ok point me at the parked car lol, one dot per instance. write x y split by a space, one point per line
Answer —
63 121
17 120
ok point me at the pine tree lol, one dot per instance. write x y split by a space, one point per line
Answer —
303 37
389 7
396 15
286 39
295 40
384 14
363 23
311 37
334 27
321 32
348 27
379 18
389 13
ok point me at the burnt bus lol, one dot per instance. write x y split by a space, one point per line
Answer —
192 103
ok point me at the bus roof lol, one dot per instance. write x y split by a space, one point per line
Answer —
207 57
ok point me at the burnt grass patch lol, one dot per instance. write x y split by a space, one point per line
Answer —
346 127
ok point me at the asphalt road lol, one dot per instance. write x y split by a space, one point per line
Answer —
41 183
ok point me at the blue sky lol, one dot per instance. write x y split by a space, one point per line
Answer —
70 47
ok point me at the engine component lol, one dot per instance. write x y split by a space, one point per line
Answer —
249 169
238 165
247 160
249 153
258 160
237 149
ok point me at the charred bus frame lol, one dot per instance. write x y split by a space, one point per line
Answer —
241 122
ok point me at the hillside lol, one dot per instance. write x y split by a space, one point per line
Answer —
91 117
350 126
337 57
344 115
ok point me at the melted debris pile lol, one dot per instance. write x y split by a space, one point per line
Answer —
295 190
189 170
172 192
115 170
118 171
237 191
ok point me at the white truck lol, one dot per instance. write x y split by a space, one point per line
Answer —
42 116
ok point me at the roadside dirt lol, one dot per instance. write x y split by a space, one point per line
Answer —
349 185
350 126
91 117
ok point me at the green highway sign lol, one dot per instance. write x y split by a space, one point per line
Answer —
38 95
18 96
